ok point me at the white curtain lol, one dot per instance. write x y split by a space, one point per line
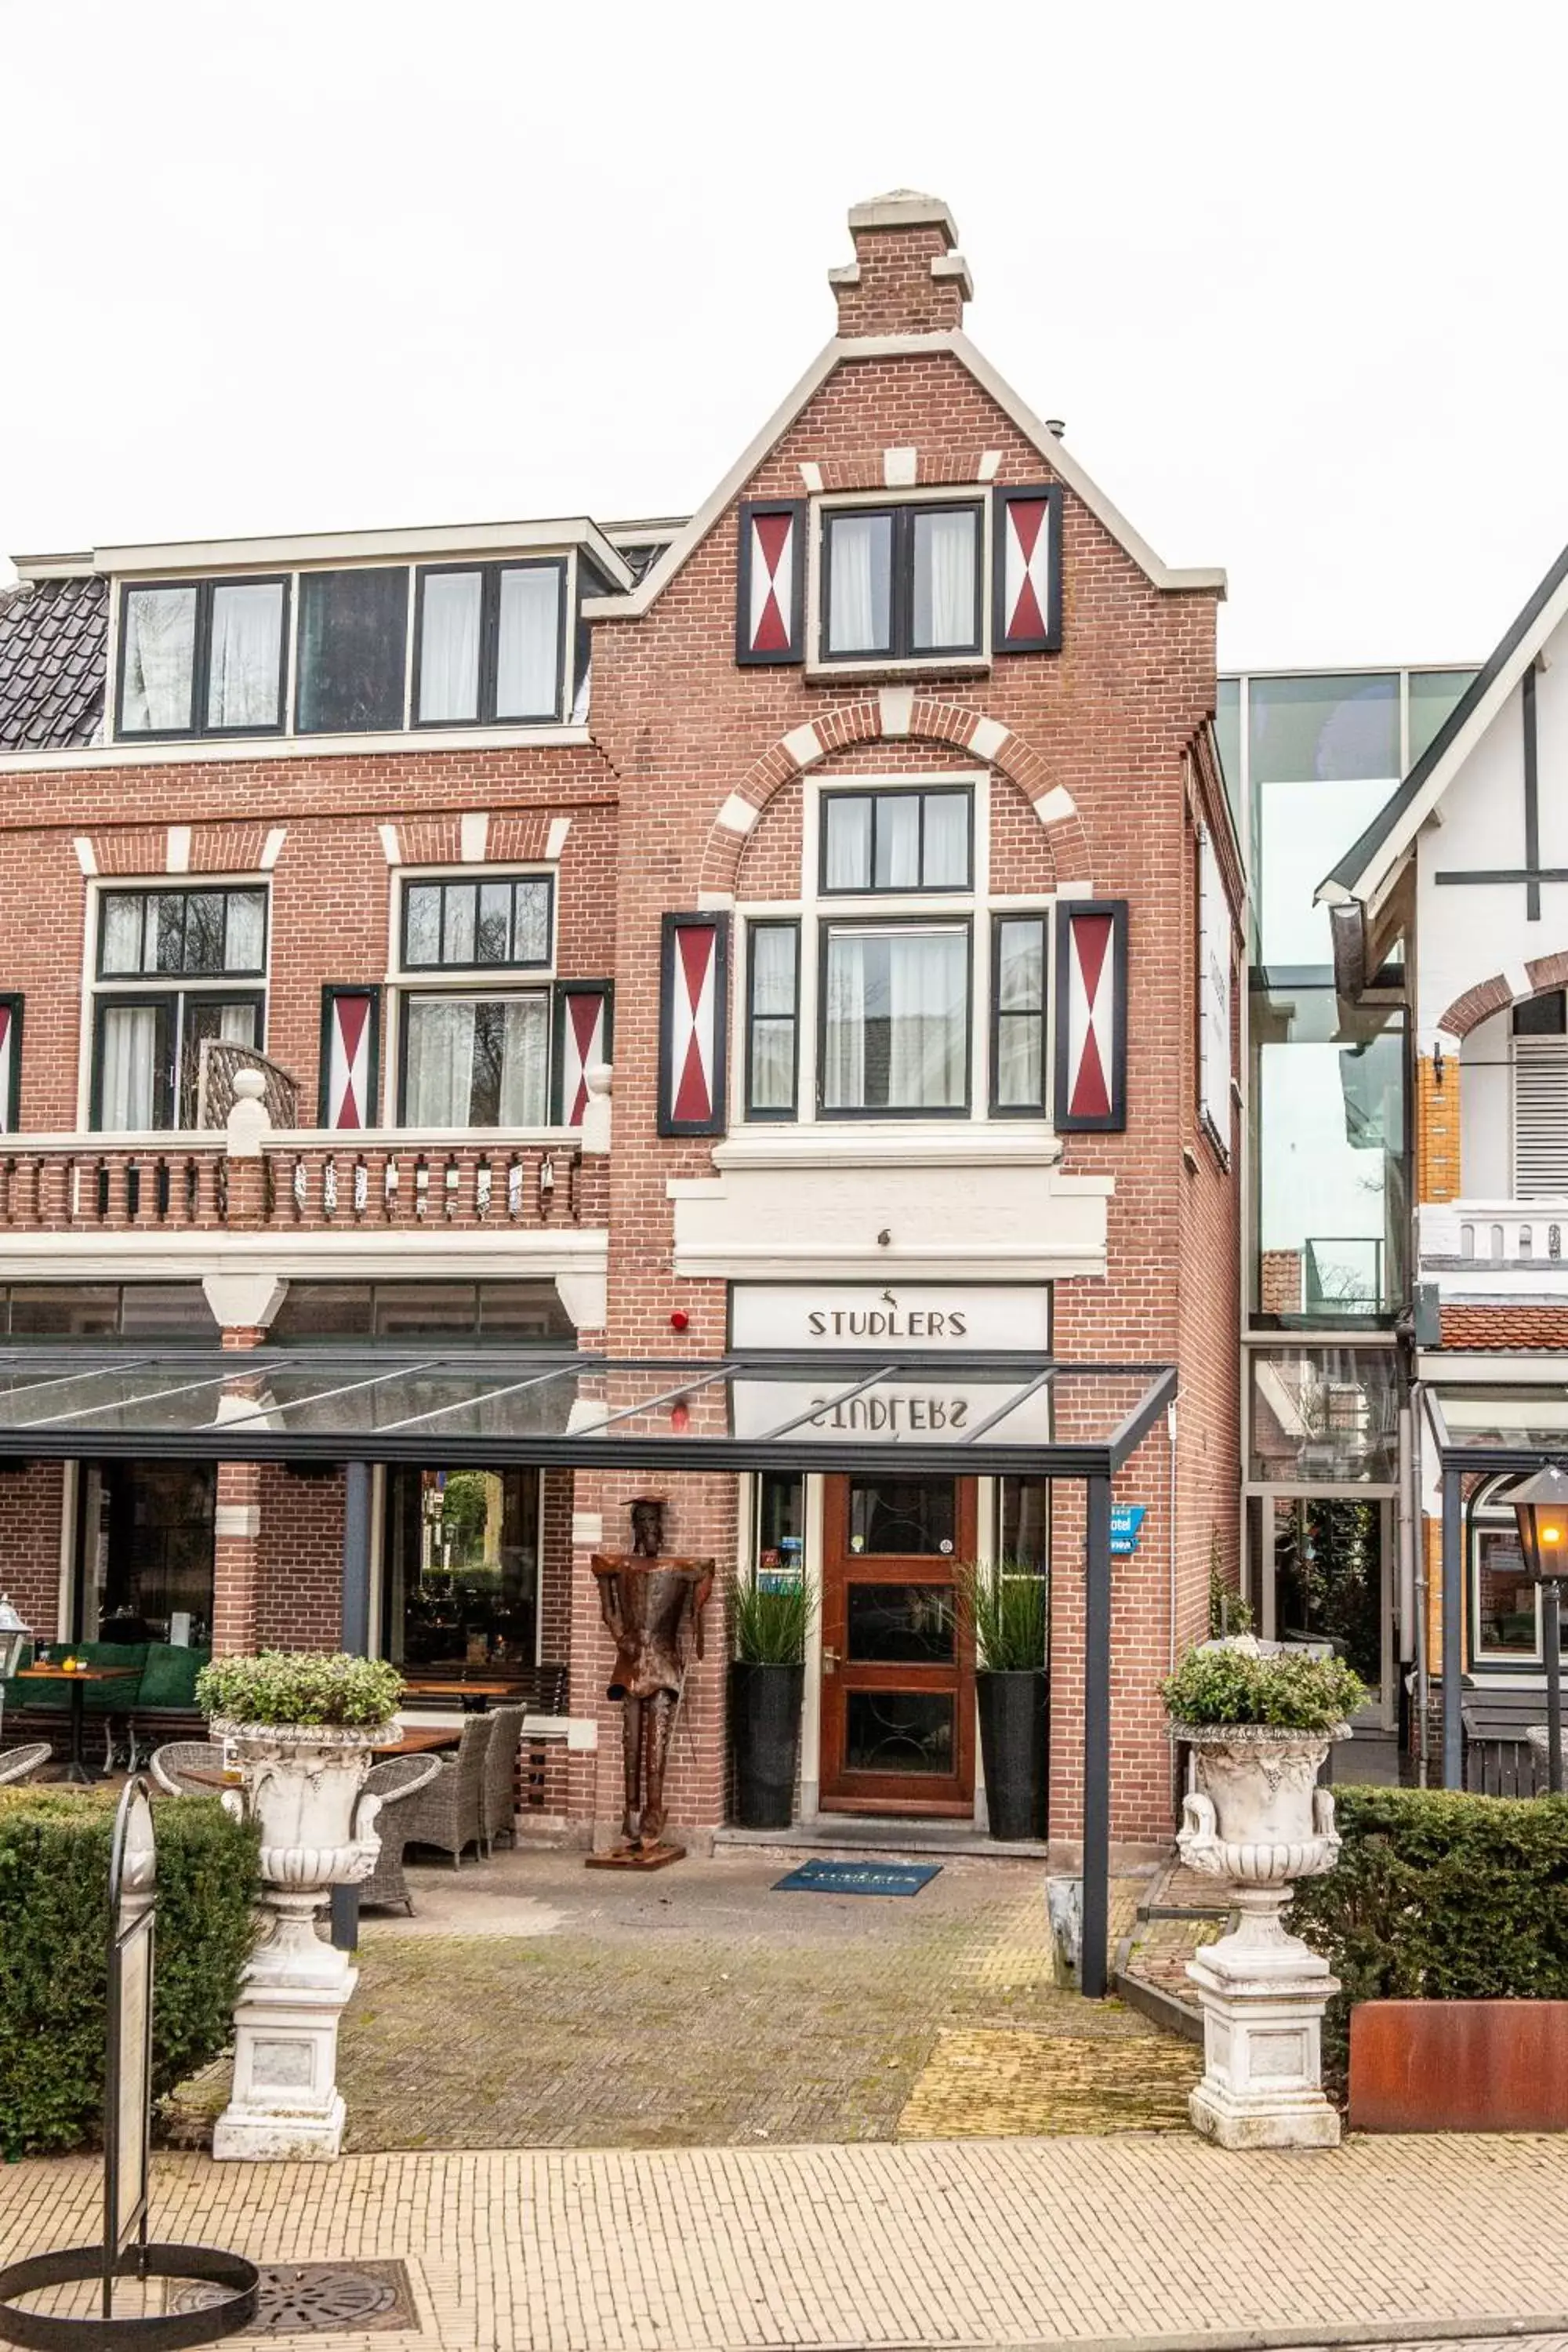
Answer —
527 658
129 1067
927 993
160 656
843 1044
858 601
773 1016
477 1062
945 580
438 1085
946 864
525 1062
849 862
897 842
244 662
450 645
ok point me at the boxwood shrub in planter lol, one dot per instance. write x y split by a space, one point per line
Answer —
54 1968
767 1681
1009 1608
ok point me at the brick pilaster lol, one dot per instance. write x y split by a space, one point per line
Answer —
1437 1173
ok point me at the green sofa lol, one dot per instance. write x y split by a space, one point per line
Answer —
160 1682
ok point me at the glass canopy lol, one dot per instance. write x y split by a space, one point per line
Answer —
980 1414
1501 1428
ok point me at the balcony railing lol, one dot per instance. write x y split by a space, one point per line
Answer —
305 1182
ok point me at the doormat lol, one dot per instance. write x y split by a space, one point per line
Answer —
857 1878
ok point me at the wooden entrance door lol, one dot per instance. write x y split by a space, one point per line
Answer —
898 1653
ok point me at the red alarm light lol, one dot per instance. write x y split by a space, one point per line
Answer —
681 1419
680 1320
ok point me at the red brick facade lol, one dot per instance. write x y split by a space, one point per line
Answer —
1098 778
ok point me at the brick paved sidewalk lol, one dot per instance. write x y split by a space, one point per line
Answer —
940 2244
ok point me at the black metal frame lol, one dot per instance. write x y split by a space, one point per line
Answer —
755 1112
911 788
331 992
477 878
1001 916
169 999
184 885
901 646
201 659
670 928
828 924
485 714
1050 494
794 620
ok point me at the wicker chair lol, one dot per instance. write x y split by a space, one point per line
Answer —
171 1764
449 1811
395 1782
22 1762
501 1775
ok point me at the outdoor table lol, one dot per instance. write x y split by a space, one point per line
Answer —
452 1688
75 1770
415 1741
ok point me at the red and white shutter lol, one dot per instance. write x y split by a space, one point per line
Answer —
693 995
1091 1015
350 1021
10 1062
582 1040
1026 590
770 580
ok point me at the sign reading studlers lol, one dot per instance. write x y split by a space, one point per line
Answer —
967 1318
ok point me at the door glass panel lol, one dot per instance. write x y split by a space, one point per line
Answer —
1328 1567
903 1625
1507 1619
898 1731
912 1518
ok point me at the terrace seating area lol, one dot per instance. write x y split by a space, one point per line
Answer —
151 1699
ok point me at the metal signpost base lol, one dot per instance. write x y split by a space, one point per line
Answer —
125 2252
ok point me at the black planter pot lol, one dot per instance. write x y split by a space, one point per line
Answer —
765 1740
1015 1744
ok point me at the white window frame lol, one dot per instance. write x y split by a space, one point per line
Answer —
488 980
938 494
96 990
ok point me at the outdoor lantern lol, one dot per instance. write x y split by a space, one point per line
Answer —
1541 1506
13 1640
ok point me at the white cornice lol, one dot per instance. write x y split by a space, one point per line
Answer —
311 548
215 751
384 1253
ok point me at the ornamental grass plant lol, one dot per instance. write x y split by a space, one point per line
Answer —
301 1687
1241 1681
1009 1607
772 1618
53 1963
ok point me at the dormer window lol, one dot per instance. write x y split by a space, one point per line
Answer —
901 582
203 657
488 644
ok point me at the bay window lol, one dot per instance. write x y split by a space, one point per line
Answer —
147 1039
203 657
901 582
895 1018
488 642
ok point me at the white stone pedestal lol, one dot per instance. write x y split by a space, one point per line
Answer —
285 2103
1262 1994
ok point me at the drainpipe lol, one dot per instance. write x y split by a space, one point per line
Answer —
1412 1548
1171 1545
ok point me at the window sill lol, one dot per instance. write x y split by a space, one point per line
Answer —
966 1143
821 670
212 749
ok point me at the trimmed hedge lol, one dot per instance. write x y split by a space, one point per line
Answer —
1439 1896
54 1924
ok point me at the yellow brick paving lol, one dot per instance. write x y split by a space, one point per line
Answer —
1002 2243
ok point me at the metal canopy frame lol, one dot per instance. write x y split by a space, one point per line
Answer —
62 1402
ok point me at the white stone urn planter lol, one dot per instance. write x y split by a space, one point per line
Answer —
303 1785
1257 1821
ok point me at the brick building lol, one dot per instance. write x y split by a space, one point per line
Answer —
803 931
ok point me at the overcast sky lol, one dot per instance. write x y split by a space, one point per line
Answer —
1292 276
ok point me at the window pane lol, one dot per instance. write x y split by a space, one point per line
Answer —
898 1731
493 944
897 842
246 943
1303 828
1024 1531
1020 1062
477 1061
525 1061
461 1577
458 932
422 943
848 865
528 654
1227 732
1328 1110
130 1072
530 921
946 569
860 580
440 1050
1324 1416
450 645
1433 695
1021 965
772 968
159 660
894 1517
781 1524
1541 1016
945 865
166 924
1330 728
1020 984
122 913
897 1021
353 635
204 948
902 1624
244 678
773 1066
209 1017
1506 1612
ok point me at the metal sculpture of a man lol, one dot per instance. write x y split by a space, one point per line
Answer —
654 1609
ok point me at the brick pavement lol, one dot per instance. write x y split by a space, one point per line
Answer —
1003 2242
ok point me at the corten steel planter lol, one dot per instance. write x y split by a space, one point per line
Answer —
764 1740
1015 1746
1459 2066
1258 1819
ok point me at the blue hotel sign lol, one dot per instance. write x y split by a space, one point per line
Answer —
1126 1523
